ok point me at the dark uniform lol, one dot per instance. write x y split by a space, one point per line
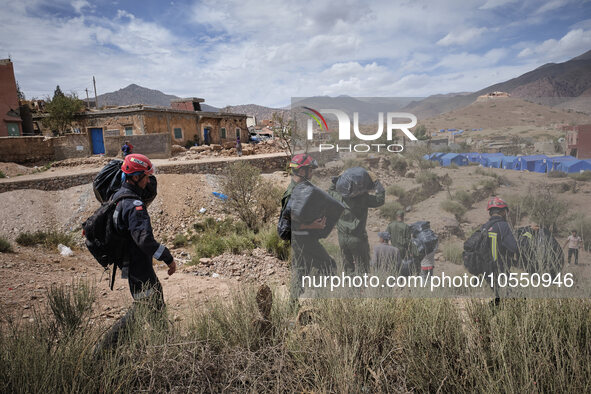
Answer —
400 237
131 220
351 228
309 256
502 246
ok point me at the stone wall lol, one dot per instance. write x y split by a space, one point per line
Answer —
71 146
24 150
267 164
155 146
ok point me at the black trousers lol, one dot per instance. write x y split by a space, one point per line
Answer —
576 253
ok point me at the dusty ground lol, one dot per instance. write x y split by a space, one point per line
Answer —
26 274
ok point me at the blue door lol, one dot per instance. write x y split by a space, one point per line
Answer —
98 145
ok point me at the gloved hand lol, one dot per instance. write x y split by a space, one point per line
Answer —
379 187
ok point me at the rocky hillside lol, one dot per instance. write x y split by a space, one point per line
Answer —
260 112
135 94
565 85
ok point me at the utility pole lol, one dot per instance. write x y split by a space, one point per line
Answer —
95 97
87 99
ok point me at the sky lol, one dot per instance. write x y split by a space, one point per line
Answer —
265 52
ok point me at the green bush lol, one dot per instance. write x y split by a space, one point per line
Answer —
398 164
518 208
180 240
557 174
5 246
209 245
547 210
584 176
389 209
214 238
464 198
49 239
396 190
269 240
452 252
71 306
2 174
454 208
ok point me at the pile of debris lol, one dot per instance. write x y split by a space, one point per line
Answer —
227 149
95 161
259 266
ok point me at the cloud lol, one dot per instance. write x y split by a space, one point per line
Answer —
572 44
490 4
461 37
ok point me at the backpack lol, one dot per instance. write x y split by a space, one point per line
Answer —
101 237
476 255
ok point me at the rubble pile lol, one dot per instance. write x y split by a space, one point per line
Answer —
227 149
257 267
95 161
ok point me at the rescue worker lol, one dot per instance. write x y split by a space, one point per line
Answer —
127 149
501 242
132 221
400 235
385 257
353 239
308 254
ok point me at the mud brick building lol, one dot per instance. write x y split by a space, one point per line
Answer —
10 121
578 141
183 121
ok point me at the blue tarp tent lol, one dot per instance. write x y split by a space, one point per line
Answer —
472 156
574 166
495 161
552 163
509 162
453 158
529 162
484 157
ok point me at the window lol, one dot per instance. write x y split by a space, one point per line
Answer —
13 129
223 133
178 133
128 130
237 132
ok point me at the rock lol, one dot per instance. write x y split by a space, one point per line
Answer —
205 261
216 147
408 208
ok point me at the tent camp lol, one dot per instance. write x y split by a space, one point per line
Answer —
509 162
472 156
574 166
484 157
552 163
529 162
495 161
453 158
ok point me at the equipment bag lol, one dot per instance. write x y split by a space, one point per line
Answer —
477 256
354 182
108 182
424 238
101 237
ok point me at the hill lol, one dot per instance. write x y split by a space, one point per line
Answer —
560 85
260 112
135 94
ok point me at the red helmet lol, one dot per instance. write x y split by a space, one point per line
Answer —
496 202
136 164
303 160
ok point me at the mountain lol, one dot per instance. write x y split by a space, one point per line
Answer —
135 94
553 84
258 111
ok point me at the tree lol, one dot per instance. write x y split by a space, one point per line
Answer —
421 132
61 110
284 128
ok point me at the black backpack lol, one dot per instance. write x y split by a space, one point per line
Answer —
477 256
101 238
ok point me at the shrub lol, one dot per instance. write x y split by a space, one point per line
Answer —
426 164
452 252
2 174
517 208
547 210
209 245
398 164
253 199
352 162
71 306
5 246
454 208
389 209
584 176
213 238
557 174
396 190
583 226
180 240
486 172
488 186
49 239
269 240
464 198
429 182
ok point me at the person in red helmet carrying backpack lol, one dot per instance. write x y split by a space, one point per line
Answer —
492 248
132 222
